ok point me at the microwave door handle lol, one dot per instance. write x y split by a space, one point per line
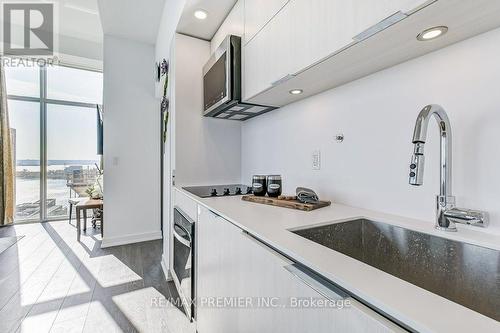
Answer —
184 240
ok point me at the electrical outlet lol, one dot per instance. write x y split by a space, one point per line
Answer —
316 160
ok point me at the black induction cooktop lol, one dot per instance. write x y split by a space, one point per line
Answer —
219 190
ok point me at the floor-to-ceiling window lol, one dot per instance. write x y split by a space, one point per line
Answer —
53 121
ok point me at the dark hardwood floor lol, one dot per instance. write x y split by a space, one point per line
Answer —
51 283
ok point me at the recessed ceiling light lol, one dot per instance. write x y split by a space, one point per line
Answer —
200 14
296 91
432 33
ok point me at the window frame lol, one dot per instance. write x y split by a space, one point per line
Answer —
44 101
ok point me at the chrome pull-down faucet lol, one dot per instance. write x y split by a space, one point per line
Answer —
446 212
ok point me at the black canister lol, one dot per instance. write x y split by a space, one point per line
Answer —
259 185
274 185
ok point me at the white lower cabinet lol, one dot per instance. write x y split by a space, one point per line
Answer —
265 292
217 267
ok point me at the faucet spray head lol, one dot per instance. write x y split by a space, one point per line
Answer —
417 165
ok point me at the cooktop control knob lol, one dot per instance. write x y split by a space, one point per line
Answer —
226 191
213 192
237 190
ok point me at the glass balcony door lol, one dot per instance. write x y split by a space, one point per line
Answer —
25 132
71 155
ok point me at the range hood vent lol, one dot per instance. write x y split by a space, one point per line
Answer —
222 84
240 111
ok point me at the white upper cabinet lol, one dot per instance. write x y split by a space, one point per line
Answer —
304 32
368 13
232 25
267 57
258 13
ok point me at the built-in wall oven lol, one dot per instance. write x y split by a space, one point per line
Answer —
183 272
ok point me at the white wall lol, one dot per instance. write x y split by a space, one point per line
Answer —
201 150
131 143
377 115
207 150
171 14
164 49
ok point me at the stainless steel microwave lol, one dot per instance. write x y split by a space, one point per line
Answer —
222 84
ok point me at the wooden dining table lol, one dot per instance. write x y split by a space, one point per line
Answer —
81 209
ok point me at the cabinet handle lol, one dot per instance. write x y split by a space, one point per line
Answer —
283 79
382 25
266 247
316 282
333 293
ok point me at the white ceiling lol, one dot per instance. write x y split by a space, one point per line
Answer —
137 20
76 18
80 19
204 29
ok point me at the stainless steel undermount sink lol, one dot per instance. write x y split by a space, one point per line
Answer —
463 273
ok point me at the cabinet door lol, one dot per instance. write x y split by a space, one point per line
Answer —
212 271
366 13
258 13
217 265
256 289
302 33
208 256
287 298
319 29
274 292
305 32
268 58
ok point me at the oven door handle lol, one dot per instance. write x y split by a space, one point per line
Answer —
185 240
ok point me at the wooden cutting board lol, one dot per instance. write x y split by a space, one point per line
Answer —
293 204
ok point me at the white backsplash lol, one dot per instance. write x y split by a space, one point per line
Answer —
377 114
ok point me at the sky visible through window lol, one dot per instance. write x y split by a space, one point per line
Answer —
71 132
63 83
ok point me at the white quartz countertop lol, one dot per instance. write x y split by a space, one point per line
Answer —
417 308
